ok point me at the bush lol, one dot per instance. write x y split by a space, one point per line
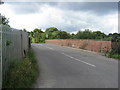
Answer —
113 55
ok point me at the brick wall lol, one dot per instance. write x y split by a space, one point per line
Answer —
91 45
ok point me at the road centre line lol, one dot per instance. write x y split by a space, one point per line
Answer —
45 46
79 60
49 47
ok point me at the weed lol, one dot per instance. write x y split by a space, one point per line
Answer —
22 74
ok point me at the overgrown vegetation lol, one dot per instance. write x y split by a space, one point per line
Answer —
115 51
22 74
113 55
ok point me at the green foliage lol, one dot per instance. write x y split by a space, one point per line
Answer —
8 42
63 35
22 74
54 33
51 29
49 32
115 37
87 34
24 30
43 37
112 55
4 20
37 36
59 35
72 36
99 35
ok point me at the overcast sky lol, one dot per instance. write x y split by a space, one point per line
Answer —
67 16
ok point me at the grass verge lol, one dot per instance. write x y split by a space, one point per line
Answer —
22 74
112 55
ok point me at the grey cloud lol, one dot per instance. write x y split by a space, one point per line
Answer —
28 7
76 15
24 8
99 8
61 0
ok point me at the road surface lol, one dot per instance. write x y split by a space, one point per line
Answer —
63 67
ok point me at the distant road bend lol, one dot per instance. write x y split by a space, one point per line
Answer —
62 67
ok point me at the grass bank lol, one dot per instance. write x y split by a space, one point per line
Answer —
22 74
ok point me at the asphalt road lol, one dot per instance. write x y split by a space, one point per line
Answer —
63 67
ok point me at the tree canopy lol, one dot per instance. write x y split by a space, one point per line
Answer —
53 33
51 29
4 20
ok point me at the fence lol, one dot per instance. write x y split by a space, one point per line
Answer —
0 59
13 46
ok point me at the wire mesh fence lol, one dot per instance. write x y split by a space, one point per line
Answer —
13 47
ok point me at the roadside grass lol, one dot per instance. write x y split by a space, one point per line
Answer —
22 74
112 55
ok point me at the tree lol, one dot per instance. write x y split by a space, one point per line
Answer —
72 36
31 34
63 35
49 31
43 37
99 35
4 20
87 34
37 35
59 35
116 37
54 35
24 30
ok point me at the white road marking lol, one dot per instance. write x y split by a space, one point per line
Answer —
49 47
79 60
45 46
